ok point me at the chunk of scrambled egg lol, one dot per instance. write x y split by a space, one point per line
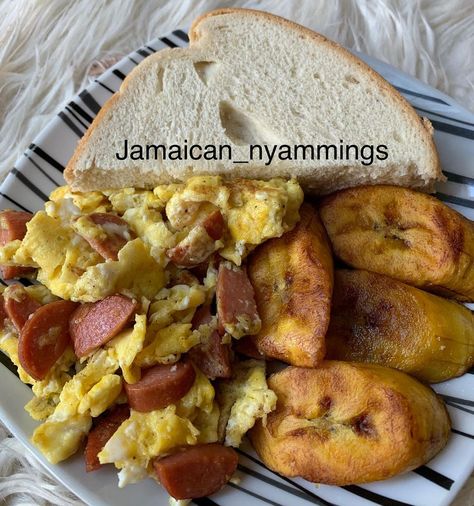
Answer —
169 332
127 345
135 270
62 255
244 399
253 210
88 393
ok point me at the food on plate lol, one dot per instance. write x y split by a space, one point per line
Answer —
236 307
151 271
403 234
293 280
201 242
19 304
380 320
346 423
107 233
116 321
243 399
213 355
104 428
160 386
95 323
199 110
254 212
44 337
13 227
196 471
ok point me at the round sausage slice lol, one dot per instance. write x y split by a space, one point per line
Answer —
44 337
19 305
160 386
196 471
13 226
104 428
94 324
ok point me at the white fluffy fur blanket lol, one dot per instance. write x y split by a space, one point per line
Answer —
47 48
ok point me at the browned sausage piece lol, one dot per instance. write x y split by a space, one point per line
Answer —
117 231
212 357
13 226
19 305
3 313
196 471
160 386
44 337
104 428
214 225
94 324
236 307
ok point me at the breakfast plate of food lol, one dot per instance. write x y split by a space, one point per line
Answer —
241 270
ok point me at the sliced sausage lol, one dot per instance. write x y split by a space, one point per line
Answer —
19 305
214 225
94 324
236 307
212 357
104 428
12 227
3 313
196 471
117 231
160 386
44 337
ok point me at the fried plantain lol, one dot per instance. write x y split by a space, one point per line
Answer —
346 423
293 279
383 321
404 234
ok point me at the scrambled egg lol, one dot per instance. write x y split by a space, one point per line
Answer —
253 210
244 399
147 435
75 391
88 393
46 392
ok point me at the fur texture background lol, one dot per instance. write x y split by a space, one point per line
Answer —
47 49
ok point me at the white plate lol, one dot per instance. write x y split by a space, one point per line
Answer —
40 170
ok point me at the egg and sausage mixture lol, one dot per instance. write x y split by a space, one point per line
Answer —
149 268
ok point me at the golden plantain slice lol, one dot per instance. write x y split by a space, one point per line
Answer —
383 321
346 423
293 279
404 234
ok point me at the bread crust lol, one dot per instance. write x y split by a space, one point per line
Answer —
434 172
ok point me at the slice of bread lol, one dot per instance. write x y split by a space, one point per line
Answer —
249 77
